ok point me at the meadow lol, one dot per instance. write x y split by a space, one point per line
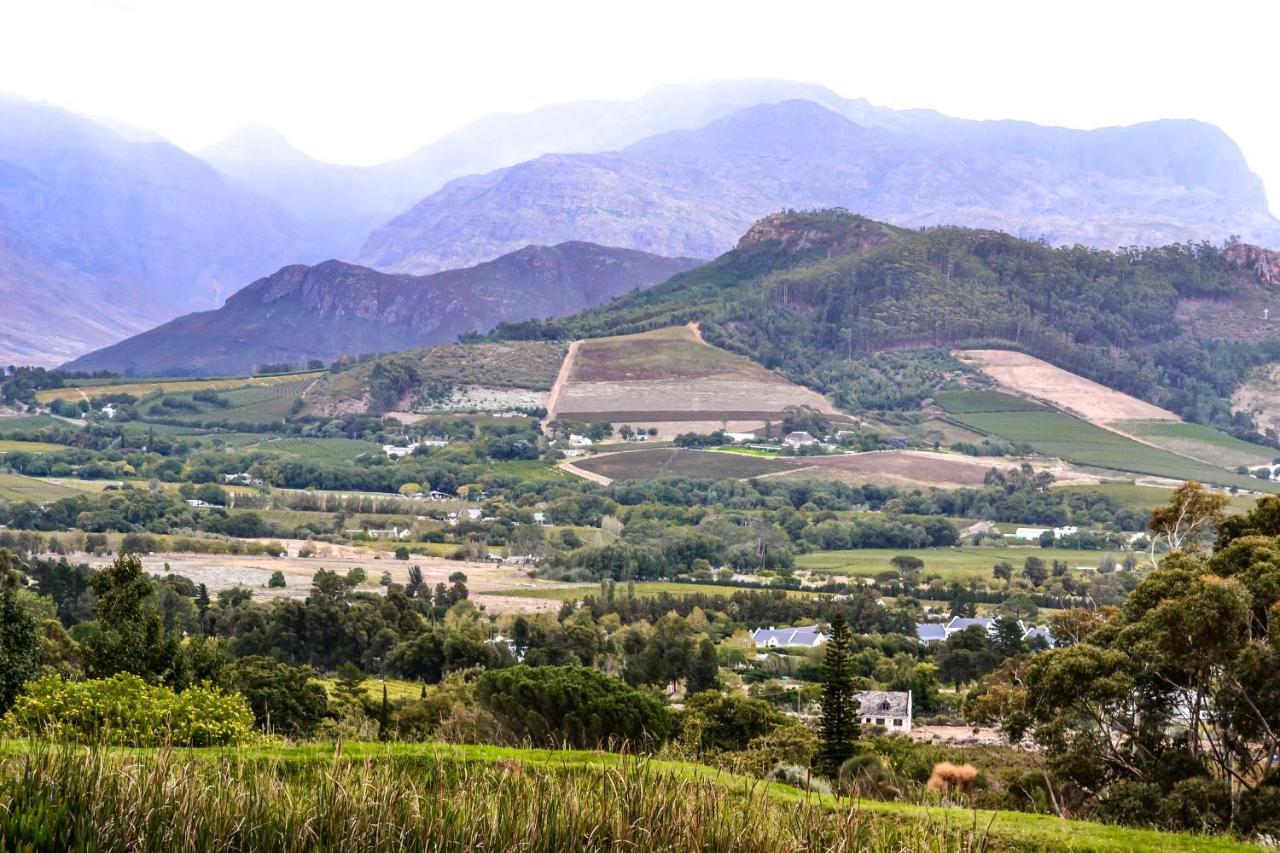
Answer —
7 446
441 797
952 564
16 487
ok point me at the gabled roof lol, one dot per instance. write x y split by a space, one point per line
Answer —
808 635
884 703
928 632
959 623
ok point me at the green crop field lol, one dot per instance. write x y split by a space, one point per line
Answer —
15 487
247 404
952 564
1201 442
526 470
316 449
30 423
28 447
141 387
1147 498
693 464
1056 434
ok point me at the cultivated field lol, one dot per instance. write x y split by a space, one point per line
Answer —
912 468
1147 498
257 404
317 449
29 447
1060 435
952 564
15 487
140 388
671 379
673 462
1025 374
1199 442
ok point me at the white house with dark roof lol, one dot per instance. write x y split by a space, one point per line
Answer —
937 632
808 636
890 709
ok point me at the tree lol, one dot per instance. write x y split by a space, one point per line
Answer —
909 567
1035 570
1002 570
704 674
19 645
285 699
130 634
839 728
1184 522
414 586
277 580
575 705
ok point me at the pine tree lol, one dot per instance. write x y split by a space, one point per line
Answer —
839 727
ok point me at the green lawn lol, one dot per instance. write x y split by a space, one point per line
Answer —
999 830
952 564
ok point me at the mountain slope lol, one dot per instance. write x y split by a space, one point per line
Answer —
688 191
857 309
101 236
334 308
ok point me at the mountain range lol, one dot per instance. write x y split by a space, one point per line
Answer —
105 233
332 309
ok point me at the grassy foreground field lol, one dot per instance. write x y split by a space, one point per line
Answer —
953 564
439 797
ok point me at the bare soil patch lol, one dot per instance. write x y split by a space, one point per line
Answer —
1260 397
225 571
915 468
1032 377
671 375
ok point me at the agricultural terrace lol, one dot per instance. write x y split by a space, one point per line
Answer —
951 564
671 379
1060 435
1036 378
141 388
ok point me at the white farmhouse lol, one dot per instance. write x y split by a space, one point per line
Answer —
890 709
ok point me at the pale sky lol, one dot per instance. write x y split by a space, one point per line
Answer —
367 80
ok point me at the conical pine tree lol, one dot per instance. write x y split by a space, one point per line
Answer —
839 729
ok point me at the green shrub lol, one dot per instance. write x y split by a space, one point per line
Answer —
573 705
124 709
799 777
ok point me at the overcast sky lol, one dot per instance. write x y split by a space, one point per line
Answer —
367 80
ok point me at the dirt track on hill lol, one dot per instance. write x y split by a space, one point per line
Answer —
562 378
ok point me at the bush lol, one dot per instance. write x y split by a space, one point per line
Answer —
799 777
284 698
125 710
277 580
573 705
1199 804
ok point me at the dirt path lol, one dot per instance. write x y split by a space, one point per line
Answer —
696 328
562 378
567 465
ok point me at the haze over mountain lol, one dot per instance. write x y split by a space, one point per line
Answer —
105 232
695 191
334 308
101 236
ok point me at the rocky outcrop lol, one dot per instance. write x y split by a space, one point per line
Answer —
1263 263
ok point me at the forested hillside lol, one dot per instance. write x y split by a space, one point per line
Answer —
860 310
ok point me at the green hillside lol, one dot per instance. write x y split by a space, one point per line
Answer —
860 310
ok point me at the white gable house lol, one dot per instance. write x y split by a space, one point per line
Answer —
809 637
889 709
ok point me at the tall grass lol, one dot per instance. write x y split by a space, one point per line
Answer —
66 798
